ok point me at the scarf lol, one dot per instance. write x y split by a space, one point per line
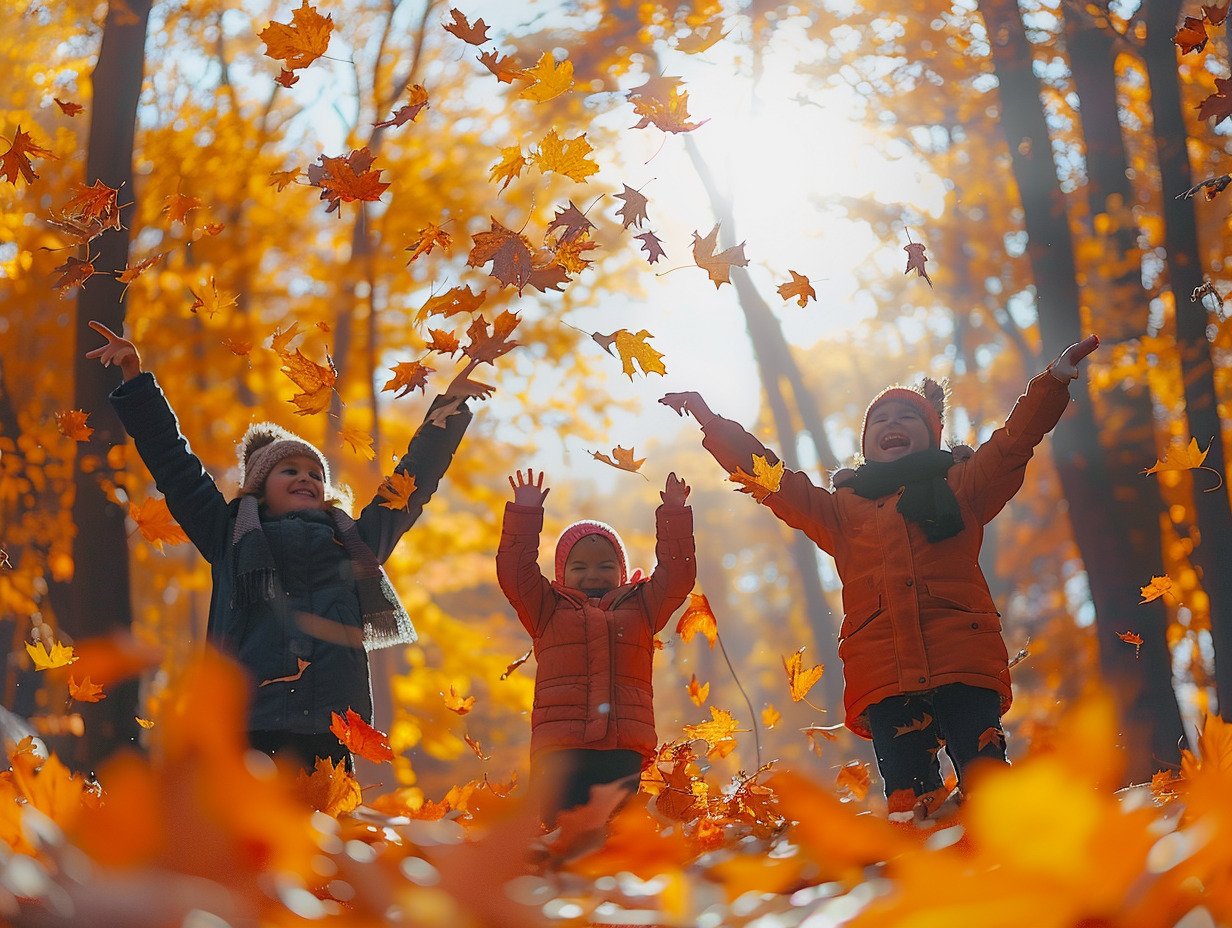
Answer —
927 499
386 622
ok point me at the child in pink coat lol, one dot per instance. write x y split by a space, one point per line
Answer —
593 629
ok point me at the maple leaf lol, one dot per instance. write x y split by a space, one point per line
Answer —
855 779
179 206
15 162
57 655
719 266
569 258
799 287
721 727
633 212
667 115
764 480
75 272
698 617
505 68
132 272
1215 15
408 376
621 459
471 35
427 239
287 78
565 156
85 691
302 665
1190 457
632 349
549 79
359 441
476 747
459 704
652 246
916 260
212 300
417 102
1191 37
238 347
72 425
451 302
550 276
508 251
329 788
345 179
989 736
67 108
316 381
300 42
446 343
487 348
914 725
360 738
1158 587
281 179
770 716
154 521
511 165
396 490
571 221
1132 638
698 692
1219 105
798 679
281 340
439 416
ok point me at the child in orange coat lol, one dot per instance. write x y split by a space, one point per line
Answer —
593 629
924 664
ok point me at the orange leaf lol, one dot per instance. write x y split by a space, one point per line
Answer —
485 347
913 725
698 617
397 490
144 723
213 300
444 342
359 737
698 692
518 663
1191 37
668 115
452 302
798 287
770 716
991 736
471 35
459 704
622 459
330 789
179 206
72 425
565 156
155 523
703 36
347 179
359 440
548 78
1158 587
799 679
236 347
75 273
916 260
508 251
57 655
408 376
428 238
132 272
300 42
290 678
1132 638
85 691
764 480
68 109
721 727
281 340
16 162
1188 458
281 179
854 777
316 381
505 67
476 747
719 266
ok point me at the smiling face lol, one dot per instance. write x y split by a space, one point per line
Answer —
593 566
296 482
894 430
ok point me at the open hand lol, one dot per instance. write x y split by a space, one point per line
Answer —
526 492
675 491
118 350
689 402
1065 367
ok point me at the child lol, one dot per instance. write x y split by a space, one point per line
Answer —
924 665
593 630
299 596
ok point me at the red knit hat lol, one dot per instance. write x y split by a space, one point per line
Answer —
579 530
928 399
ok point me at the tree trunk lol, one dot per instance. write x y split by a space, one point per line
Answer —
1142 684
97 601
1184 275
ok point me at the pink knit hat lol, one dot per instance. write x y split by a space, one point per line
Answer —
579 530
928 399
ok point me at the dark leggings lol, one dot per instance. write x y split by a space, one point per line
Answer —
909 732
565 777
300 748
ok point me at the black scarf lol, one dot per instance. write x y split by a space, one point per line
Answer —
927 499
256 577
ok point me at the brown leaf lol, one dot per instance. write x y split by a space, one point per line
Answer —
15 162
471 35
407 112
408 376
914 725
445 343
451 302
68 109
1191 37
303 665
1218 105
75 272
345 179
916 260
798 287
508 251
719 266
505 68
572 223
652 246
486 347
633 212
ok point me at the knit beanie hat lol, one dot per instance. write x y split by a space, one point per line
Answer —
264 445
579 530
928 399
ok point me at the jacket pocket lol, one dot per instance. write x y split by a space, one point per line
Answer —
963 595
862 602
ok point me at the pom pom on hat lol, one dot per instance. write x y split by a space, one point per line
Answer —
579 530
264 445
928 399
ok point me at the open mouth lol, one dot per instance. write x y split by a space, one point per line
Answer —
893 441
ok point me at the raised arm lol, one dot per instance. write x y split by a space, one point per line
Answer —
675 569
118 350
517 558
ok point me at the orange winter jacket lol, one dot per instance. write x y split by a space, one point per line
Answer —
594 686
916 614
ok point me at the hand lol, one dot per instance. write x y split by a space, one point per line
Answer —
842 477
962 453
464 387
1065 367
691 403
675 491
527 492
117 351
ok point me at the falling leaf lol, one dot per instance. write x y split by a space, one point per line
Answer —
703 36
15 162
179 206
440 415
211 299
347 179
155 523
517 663
281 341
920 724
632 349
454 301
144 723
427 239
770 716
799 287
417 102
652 246
1156 588
290 678
238 347
485 347
85 691
991 736
72 424
855 779
1215 15
550 276
287 78
698 617
667 115
621 459
396 490
408 376
330 789
721 727
764 480
549 79
505 67
572 223
300 42
360 738
476 747
359 441
75 272
67 108
57 655
281 179
132 272
1132 638
1190 457
799 679
446 343
569 256
633 212
698 692
316 381
459 704
916 260
565 156
719 266
509 252
510 166
1191 37
1212 185
471 35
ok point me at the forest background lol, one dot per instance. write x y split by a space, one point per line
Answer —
311 235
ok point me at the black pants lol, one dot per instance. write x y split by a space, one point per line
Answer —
910 731
300 748
564 777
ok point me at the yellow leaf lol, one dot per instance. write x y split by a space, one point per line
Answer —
428 238
801 680
280 179
721 727
622 459
397 490
854 778
329 788
281 340
211 299
565 156
179 206
57 656
698 692
1187 458
359 440
459 704
770 716
144 723
155 523
510 166
633 349
550 79
764 480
